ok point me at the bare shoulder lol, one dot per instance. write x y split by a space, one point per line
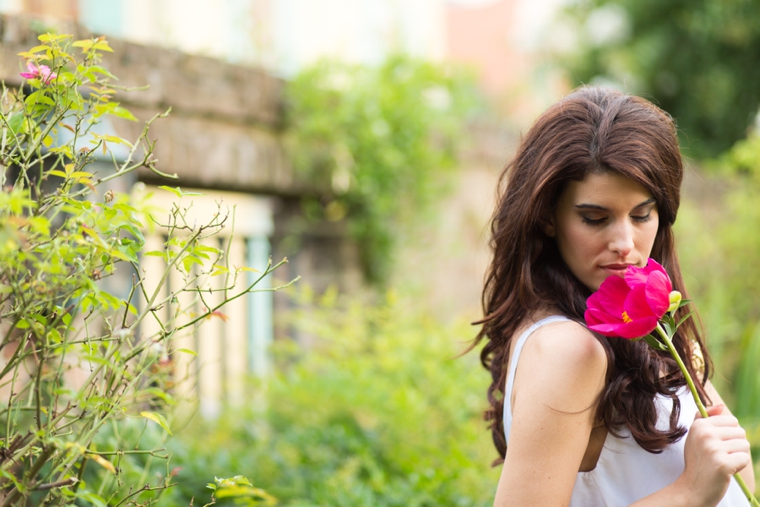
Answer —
570 345
567 357
560 374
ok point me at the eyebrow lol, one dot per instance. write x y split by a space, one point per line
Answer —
602 208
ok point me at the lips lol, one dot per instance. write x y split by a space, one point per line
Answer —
615 269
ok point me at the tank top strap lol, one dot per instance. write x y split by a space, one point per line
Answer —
513 366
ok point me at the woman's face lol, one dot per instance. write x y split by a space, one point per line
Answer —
603 224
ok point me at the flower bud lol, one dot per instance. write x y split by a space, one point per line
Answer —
675 301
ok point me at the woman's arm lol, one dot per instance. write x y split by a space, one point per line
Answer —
559 377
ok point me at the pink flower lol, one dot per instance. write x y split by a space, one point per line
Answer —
41 72
630 307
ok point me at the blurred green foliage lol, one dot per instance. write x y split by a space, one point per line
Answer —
377 143
697 59
143 467
379 412
719 242
79 364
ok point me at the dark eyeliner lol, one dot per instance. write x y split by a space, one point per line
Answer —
592 221
642 219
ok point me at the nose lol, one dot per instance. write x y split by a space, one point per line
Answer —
621 239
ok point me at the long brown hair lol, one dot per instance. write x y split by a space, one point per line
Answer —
592 130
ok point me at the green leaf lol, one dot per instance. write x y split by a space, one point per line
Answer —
134 231
21 487
15 122
158 393
51 37
176 191
39 318
220 270
54 336
103 46
684 319
85 44
157 418
200 255
124 253
188 351
188 262
38 97
200 247
100 460
101 70
98 360
37 49
94 499
654 342
123 113
40 225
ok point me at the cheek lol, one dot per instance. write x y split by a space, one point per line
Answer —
578 243
647 238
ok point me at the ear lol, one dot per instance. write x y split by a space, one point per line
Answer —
548 226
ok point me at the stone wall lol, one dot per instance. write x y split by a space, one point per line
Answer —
224 132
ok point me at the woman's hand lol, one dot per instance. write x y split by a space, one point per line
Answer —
715 449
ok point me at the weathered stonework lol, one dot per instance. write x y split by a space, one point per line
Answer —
224 132
224 128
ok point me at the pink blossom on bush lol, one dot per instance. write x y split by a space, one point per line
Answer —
41 72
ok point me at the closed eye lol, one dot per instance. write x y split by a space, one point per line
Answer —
641 218
593 221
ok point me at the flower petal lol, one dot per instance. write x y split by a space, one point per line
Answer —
658 289
635 275
638 328
654 266
611 330
636 305
595 316
611 296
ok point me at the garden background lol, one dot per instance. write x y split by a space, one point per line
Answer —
363 140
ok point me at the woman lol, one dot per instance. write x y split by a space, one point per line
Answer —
580 419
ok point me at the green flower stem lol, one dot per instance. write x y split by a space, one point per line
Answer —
702 410
674 353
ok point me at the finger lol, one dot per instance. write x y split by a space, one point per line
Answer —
736 446
715 410
711 411
736 462
722 421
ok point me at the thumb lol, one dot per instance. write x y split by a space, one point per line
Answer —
711 411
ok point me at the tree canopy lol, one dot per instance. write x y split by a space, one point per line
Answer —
698 59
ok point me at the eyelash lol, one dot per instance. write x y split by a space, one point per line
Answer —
600 221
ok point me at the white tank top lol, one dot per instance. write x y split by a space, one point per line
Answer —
625 472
